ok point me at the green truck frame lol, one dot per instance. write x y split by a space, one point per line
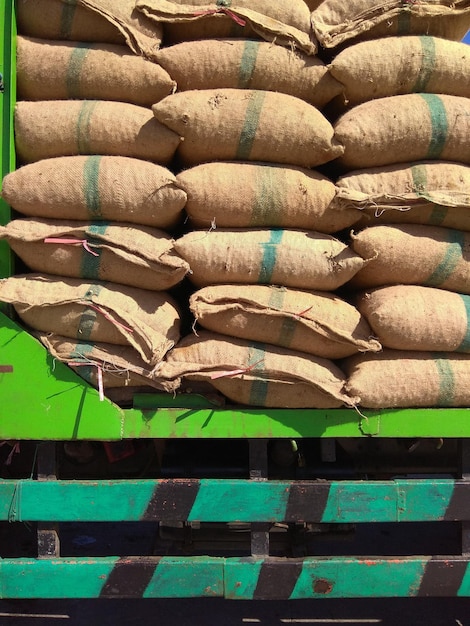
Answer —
44 401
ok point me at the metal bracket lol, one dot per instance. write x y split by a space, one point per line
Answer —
258 464
47 533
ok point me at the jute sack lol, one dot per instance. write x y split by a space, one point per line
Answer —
143 36
120 365
247 125
285 23
400 129
110 188
53 128
319 323
120 253
336 22
425 192
96 312
55 19
399 65
242 195
53 70
257 374
248 64
411 317
291 258
407 378
431 256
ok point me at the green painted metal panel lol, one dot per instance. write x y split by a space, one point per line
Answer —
424 500
133 577
248 422
43 396
230 500
464 590
187 578
324 578
54 578
243 501
359 578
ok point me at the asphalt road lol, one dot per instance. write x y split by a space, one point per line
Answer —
218 612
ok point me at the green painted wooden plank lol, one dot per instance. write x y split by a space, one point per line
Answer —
230 500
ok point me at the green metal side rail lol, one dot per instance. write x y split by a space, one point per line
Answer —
234 578
229 500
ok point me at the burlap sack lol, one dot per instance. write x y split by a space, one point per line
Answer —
336 22
242 195
119 253
248 64
411 317
96 312
414 255
285 23
55 128
400 129
120 365
396 378
53 70
319 323
143 36
55 19
257 374
291 258
398 65
95 188
426 192
247 125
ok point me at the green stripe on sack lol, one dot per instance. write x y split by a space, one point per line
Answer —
74 69
90 265
91 170
248 63
88 317
288 326
465 344
250 125
83 126
66 18
452 257
259 387
446 380
428 63
268 262
439 124
419 175
86 324
269 199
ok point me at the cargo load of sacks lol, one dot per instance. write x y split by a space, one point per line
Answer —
226 106
402 120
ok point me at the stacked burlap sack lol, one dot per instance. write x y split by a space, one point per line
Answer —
93 196
260 239
404 125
